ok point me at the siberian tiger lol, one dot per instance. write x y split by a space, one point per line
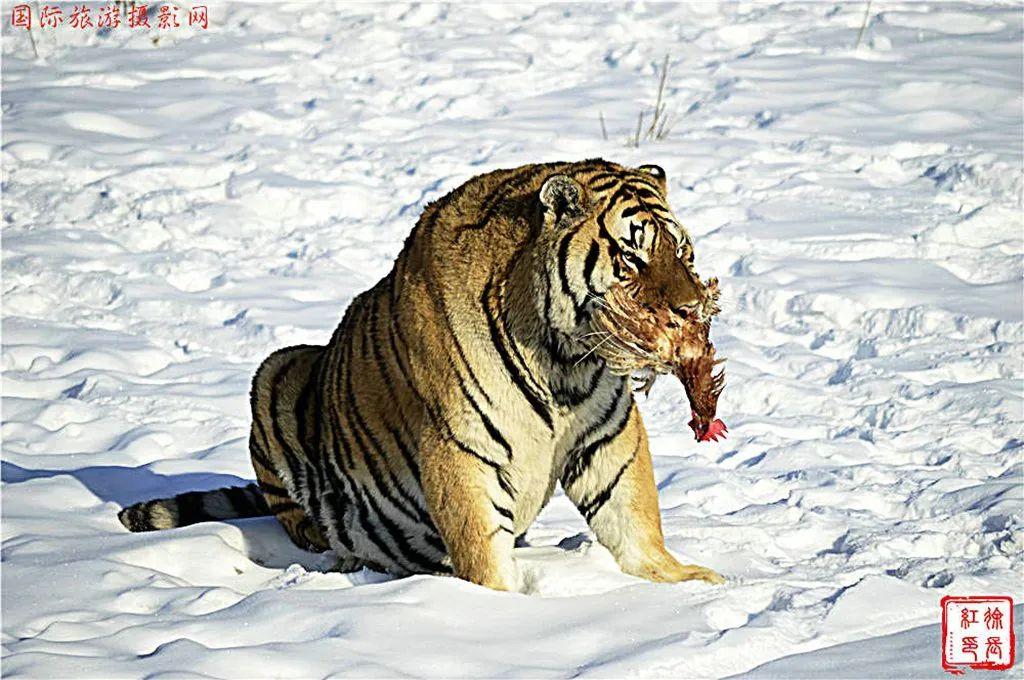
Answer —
431 430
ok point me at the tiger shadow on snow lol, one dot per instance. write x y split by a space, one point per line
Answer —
264 540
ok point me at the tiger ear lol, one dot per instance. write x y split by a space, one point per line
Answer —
561 196
657 172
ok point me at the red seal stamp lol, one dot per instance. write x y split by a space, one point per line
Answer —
977 632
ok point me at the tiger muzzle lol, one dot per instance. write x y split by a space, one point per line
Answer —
638 337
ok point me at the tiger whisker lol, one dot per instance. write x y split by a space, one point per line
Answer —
593 349
592 333
600 301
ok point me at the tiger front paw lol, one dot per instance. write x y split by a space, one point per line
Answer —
667 569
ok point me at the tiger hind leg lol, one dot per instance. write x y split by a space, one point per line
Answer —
297 524
274 441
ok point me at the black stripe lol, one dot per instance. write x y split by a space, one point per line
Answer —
654 201
582 458
502 475
338 482
290 459
253 402
465 448
245 502
574 395
642 192
605 185
367 327
190 508
300 528
591 508
274 489
588 267
315 446
504 512
502 322
302 411
563 275
334 379
630 211
334 498
611 243
497 197
333 524
401 541
258 455
265 446
143 515
440 298
394 334
603 231
359 431
506 484
313 483
410 459
385 371
330 369
620 194
418 514
648 182
370 528
518 379
133 518
623 394
285 506
492 431
548 323
612 175
435 417
556 342
340 450
365 436
553 343
434 541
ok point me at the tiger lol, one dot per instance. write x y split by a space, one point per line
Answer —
456 393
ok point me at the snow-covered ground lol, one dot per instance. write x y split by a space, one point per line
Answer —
175 211
897 655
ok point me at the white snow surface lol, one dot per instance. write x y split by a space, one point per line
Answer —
897 656
174 211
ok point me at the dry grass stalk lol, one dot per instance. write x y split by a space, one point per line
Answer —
660 123
639 127
863 25
659 105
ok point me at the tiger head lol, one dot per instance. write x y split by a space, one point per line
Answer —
626 266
